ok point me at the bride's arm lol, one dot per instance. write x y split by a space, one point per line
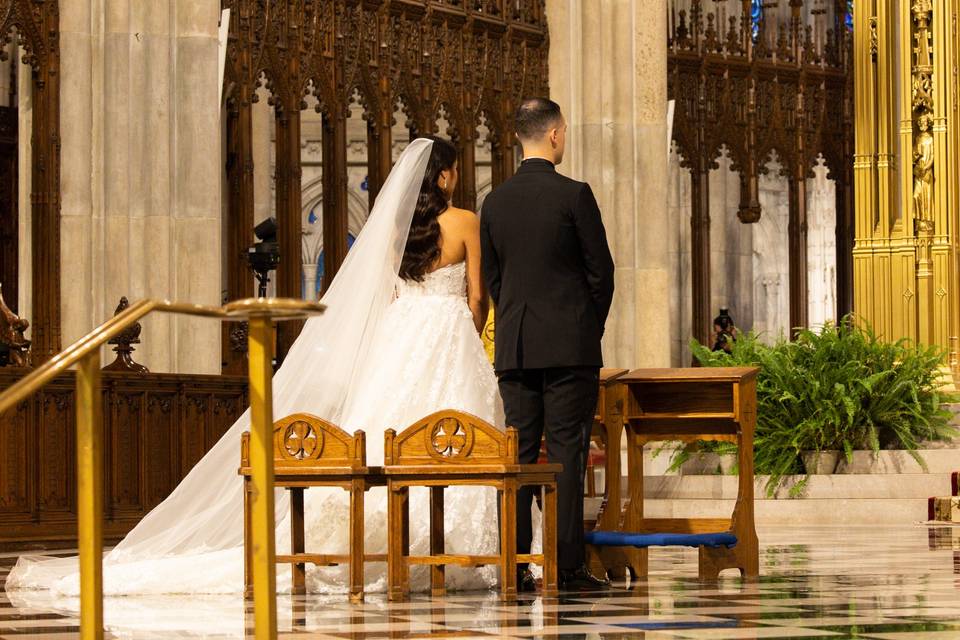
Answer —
476 290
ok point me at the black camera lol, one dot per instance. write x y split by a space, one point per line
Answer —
264 256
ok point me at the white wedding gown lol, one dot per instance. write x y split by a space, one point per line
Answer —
427 357
386 353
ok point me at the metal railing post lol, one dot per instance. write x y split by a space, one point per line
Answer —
85 353
90 495
264 566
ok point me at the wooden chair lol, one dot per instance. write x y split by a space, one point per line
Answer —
685 405
451 448
310 452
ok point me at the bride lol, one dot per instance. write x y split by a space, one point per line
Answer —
399 341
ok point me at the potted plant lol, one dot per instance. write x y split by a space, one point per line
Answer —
836 389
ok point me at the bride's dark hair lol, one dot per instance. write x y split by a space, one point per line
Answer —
423 243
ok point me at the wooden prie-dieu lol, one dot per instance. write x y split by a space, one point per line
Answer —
451 448
683 405
311 452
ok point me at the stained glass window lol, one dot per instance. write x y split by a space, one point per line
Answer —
848 19
756 11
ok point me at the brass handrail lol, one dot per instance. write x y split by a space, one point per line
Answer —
33 381
85 352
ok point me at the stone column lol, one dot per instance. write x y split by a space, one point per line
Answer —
608 72
24 160
140 186
264 199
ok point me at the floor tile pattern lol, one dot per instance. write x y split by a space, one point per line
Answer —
895 583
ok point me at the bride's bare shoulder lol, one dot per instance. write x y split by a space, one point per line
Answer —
460 217
457 212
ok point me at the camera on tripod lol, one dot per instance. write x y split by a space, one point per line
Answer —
264 256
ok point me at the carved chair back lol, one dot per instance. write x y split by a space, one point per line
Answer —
451 438
303 441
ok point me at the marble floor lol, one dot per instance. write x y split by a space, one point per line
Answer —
897 582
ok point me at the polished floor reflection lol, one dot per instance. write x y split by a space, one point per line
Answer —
817 582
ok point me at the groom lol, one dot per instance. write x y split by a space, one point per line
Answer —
549 271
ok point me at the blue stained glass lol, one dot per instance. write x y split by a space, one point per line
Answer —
756 12
312 218
848 19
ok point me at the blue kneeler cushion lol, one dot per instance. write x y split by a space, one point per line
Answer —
628 539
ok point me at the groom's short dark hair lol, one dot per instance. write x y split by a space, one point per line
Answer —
536 116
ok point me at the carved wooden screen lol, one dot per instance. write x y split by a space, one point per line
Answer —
757 85
35 24
473 60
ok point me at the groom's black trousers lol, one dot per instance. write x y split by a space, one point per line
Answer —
560 403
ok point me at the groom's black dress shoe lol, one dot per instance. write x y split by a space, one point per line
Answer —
580 579
525 581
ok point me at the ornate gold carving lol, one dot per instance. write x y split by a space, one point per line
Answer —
874 39
921 10
489 335
921 95
923 175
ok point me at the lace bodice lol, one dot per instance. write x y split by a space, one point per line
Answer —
450 280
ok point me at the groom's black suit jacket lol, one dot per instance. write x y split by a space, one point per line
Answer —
548 268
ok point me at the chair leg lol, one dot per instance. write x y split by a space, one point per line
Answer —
550 539
508 539
247 541
298 570
405 541
357 490
437 571
394 545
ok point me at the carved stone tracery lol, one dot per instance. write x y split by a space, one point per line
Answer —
787 92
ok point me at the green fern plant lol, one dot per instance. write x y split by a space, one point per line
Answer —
837 388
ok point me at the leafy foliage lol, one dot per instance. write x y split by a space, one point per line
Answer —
839 388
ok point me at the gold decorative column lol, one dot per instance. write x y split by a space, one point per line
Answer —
867 236
905 255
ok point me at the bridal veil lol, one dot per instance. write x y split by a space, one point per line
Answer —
203 514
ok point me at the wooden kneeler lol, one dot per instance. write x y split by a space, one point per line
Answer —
310 452
451 448
684 405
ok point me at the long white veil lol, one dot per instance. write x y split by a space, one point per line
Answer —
204 512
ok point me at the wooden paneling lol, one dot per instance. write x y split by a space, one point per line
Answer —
156 427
